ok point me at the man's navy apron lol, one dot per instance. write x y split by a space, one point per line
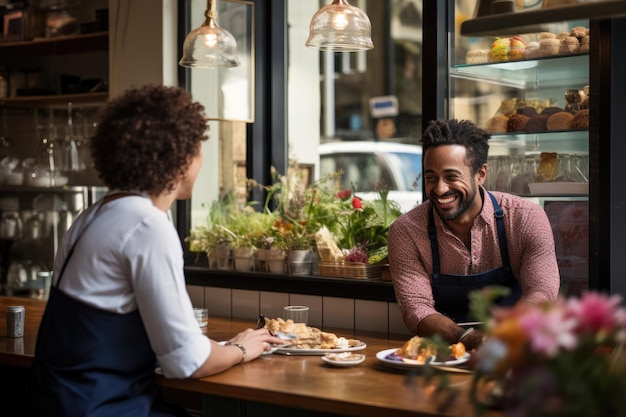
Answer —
91 362
450 292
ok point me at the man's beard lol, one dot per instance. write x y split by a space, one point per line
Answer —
464 204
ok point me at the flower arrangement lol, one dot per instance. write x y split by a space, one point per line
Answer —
361 226
558 359
293 213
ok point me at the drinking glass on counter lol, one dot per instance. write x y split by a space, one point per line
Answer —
499 173
202 316
299 314
572 168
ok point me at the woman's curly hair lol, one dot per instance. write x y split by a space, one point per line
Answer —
464 133
147 138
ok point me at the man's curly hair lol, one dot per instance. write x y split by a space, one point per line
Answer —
147 138
455 132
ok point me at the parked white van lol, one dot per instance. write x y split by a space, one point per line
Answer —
367 164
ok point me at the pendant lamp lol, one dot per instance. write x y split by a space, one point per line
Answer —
340 27
209 46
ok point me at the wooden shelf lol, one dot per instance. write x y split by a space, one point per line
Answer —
55 100
98 41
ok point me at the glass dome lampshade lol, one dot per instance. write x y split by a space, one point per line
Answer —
209 46
340 27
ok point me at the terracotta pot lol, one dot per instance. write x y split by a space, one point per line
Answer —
275 259
243 259
222 253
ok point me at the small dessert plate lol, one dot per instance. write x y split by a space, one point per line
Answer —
343 359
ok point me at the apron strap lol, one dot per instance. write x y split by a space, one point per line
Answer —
71 251
434 247
109 197
504 250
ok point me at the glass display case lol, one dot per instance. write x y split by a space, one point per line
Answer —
531 91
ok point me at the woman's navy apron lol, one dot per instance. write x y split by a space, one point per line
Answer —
450 292
91 362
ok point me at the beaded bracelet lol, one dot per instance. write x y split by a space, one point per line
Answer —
243 349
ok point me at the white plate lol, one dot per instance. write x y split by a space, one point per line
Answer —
301 352
394 363
344 359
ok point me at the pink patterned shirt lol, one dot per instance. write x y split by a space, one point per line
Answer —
529 240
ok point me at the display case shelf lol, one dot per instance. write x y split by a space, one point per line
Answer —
530 21
529 74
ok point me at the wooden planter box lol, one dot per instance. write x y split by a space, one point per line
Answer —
350 270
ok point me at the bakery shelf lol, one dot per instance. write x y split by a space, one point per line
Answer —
565 141
530 73
531 20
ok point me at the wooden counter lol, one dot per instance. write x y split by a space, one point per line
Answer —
280 385
307 382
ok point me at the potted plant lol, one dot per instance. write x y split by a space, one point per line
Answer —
295 239
212 239
292 229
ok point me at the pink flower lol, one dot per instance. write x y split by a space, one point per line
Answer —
549 330
596 312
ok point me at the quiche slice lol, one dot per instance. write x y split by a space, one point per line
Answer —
307 337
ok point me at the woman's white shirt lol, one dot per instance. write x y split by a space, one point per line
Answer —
129 256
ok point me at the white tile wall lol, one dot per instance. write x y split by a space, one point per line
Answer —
371 315
338 312
325 312
315 307
245 304
272 304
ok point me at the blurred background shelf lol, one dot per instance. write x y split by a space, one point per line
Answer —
60 45
53 100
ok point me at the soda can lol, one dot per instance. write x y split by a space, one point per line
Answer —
15 321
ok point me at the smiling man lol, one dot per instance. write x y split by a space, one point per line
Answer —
464 238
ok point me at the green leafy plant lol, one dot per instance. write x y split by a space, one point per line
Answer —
205 238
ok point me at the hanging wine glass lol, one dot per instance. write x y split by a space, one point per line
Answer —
72 158
4 137
44 172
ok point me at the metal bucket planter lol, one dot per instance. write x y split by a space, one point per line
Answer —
299 262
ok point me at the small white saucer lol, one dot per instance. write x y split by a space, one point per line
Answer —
343 359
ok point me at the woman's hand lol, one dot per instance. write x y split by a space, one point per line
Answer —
244 347
256 342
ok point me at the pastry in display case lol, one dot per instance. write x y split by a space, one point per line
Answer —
531 92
